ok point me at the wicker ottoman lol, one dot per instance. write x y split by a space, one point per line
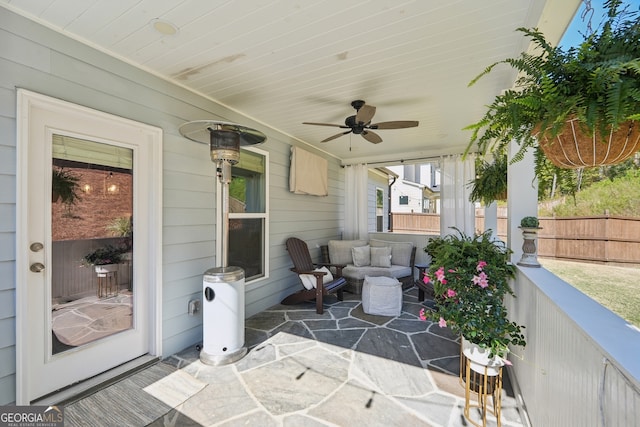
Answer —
382 296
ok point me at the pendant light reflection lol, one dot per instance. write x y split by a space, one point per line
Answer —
110 186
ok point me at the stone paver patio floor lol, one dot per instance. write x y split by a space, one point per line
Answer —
342 368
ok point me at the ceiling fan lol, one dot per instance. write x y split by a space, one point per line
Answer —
360 124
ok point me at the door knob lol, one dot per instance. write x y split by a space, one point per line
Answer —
36 267
36 247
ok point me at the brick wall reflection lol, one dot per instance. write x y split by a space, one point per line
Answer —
96 209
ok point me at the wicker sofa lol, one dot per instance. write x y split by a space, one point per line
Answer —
385 258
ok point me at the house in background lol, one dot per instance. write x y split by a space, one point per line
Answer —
417 188
126 76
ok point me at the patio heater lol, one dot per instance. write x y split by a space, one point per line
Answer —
223 287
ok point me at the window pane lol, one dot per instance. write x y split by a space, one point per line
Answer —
247 187
246 243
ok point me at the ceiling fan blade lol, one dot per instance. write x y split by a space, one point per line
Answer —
371 137
365 114
325 124
400 124
335 136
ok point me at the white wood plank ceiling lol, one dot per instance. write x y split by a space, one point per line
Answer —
287 62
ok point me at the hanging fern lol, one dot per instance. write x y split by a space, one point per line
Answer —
490 183
598 82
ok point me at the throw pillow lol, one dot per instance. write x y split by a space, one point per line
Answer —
381 257
309 280
400 251
340 250
361 256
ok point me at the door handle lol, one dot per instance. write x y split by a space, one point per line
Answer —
36 267
36 247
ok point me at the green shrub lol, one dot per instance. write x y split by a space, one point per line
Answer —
529 222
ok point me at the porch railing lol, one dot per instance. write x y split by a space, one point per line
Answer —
581 365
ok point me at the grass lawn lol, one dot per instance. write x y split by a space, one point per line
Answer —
617 288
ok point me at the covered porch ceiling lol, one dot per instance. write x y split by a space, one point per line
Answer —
286 62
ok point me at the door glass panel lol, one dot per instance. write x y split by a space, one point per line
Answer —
92 241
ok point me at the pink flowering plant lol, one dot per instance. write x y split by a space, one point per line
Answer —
470 277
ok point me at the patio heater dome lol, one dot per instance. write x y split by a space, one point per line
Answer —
224 138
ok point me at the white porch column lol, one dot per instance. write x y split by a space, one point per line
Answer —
491 219
522 198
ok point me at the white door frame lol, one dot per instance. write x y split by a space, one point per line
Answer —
26 102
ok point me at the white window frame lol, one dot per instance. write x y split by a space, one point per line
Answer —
249 215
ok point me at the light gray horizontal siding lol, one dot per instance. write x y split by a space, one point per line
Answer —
7 274
7 332
36 58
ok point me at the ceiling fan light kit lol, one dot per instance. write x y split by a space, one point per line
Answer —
360 123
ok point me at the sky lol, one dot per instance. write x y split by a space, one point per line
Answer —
573 35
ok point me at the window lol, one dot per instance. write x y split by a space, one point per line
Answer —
404 200
379 209
248 209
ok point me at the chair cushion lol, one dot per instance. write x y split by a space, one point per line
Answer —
309 280
381 257
400 251
361 256
340 250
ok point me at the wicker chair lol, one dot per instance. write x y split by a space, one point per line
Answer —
302 264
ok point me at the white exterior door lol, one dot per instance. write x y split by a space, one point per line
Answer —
74 322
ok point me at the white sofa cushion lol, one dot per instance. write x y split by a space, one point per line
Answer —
358 273
340 250
400 251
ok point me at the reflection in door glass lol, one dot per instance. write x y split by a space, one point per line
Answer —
92 241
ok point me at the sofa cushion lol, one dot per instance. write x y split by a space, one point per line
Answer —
400 251
361 256
381 257
358 273
340 250
309 280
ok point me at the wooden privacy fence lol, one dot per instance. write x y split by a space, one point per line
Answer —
416 222
596 239
70 279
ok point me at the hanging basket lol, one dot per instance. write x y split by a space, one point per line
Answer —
572 148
